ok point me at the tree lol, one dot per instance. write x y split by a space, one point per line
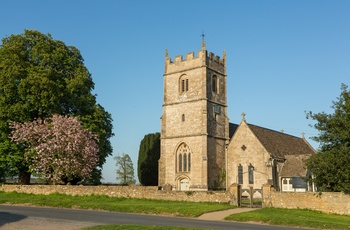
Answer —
147 165
58 149
39 77
331 165
125 169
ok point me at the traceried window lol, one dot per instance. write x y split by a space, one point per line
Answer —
183 158
184 84
240 174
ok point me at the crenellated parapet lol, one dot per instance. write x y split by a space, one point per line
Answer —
217 59
203 58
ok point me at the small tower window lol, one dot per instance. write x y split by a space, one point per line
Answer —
184 84
183 117
215 84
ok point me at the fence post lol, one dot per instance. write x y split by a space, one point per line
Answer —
251 197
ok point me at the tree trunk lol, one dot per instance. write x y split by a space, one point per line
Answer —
24 177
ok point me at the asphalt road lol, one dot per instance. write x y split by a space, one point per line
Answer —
9 215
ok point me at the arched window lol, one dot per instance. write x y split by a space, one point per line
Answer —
184 84
184 158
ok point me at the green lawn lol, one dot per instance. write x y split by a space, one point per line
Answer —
294 217
129 205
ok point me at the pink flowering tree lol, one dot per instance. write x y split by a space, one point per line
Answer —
58 149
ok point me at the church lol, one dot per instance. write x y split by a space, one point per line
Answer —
201 150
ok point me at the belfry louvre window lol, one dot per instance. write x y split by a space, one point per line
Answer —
184 84
183 158
214 84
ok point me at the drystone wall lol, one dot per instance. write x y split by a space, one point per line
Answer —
329 202
146 192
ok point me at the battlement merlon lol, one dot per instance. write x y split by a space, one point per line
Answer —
203 58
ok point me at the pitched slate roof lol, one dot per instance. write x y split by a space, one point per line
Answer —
279 144
232 129
294 166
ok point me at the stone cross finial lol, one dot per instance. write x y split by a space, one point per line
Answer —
166 53
243 116
303 135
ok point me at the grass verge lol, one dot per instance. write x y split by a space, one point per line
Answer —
129 205
294 217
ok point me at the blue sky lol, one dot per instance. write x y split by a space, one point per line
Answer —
283 57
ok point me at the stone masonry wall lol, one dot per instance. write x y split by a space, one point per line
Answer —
146 192
329 202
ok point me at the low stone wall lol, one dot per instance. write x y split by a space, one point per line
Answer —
146 192
329 202
326 202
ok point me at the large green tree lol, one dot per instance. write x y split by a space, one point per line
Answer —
39 77
147 165
331 165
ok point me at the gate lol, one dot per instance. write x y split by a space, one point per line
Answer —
251 197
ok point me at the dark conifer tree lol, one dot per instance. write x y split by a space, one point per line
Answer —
147 165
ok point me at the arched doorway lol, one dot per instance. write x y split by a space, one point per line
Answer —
184 184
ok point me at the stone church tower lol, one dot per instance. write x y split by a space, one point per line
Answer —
194 122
